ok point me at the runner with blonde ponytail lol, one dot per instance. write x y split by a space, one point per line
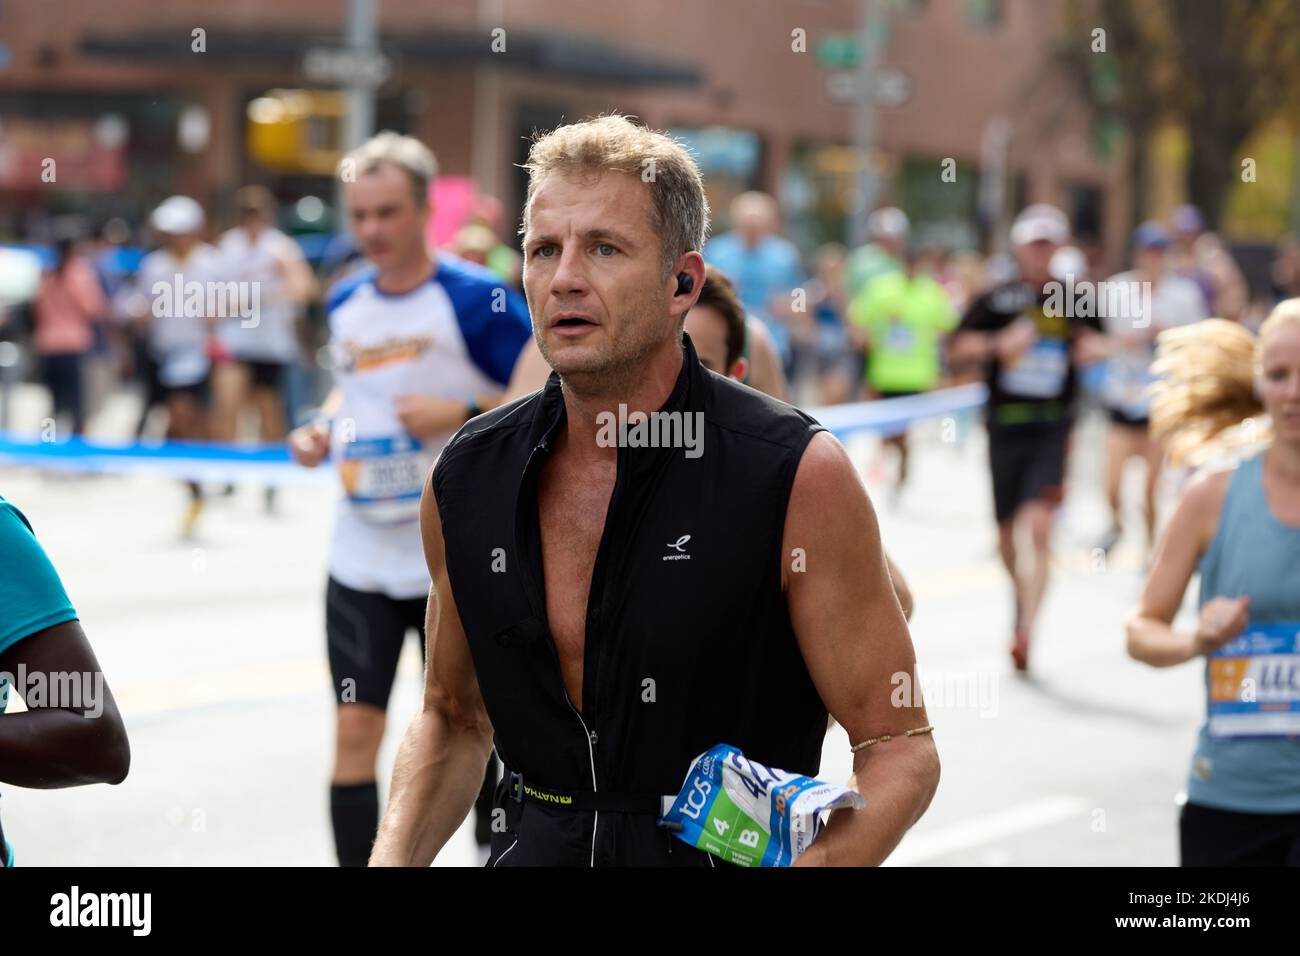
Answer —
1222 391
1207 388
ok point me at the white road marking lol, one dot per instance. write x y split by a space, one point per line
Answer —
976 831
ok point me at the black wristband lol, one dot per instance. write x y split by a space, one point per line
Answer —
473 409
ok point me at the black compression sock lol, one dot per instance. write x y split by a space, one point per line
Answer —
354 809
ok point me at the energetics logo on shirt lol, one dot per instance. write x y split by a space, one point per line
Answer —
679 547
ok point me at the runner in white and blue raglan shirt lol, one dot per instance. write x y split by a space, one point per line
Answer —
419 346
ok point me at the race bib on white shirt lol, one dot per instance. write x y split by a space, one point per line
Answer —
384 477
1040 372
456 336
1125 388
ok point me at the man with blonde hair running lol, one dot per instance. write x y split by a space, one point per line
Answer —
609 608
420 345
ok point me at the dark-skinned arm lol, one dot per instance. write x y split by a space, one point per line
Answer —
46 746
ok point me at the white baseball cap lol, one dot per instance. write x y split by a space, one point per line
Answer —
888 222
1038 222
178 216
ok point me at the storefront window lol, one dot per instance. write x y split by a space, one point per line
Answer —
819 188
730 161
942 212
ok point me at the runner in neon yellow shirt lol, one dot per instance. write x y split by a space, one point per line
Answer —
903 317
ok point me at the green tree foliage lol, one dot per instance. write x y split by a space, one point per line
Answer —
1219 67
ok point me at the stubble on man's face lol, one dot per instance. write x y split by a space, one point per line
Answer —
593 276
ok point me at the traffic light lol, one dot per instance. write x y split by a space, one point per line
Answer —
297 131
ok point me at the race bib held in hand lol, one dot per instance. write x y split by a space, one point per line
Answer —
748 814
384 477
1254 683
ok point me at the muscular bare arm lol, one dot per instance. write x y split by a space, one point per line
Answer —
440 763
854 640
767 376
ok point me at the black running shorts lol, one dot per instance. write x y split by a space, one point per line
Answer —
1213 837
364 631
1028 464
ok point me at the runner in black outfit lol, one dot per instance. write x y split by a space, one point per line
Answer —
569 570
1032 349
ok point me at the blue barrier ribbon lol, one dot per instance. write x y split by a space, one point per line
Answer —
892 416
189 460
271 464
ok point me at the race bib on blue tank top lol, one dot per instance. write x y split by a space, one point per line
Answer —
1254 683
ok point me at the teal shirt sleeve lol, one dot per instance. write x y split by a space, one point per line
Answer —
31 595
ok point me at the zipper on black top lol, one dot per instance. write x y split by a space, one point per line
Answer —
525 504
523 542
592 631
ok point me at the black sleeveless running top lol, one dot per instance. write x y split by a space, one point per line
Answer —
688 640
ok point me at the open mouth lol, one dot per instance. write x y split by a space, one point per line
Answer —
573 323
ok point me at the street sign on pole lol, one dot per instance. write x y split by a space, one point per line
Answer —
335 66
995 141
864 116
843 51
891 87
838 51
360 41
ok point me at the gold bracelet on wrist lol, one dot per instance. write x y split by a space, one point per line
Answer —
881 739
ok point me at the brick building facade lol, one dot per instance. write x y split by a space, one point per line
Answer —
722 70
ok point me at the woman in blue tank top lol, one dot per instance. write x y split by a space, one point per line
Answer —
1240 528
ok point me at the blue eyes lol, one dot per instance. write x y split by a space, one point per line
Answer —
604 249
